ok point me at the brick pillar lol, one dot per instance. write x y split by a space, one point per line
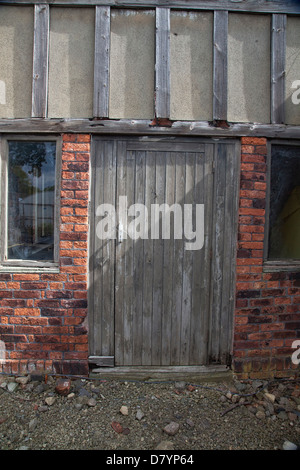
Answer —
74 253
267 315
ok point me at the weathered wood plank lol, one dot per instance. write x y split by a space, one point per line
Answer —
278 51
141 127
108 171
158 256
148 263
202 264
168 263
138 259
260 6
162 63
40 61
220 88
102 282
178 265
120 255
165 146
101 62
127 260
228 250
187 264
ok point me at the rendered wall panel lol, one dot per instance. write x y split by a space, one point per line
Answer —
16 54
191 65
71 62
249 68
132 64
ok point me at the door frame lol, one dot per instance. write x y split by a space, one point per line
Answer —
108 361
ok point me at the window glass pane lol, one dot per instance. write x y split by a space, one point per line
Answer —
31 191
284 240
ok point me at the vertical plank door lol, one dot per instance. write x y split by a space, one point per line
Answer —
154 302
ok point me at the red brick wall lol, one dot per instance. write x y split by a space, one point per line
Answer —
43 317
267 316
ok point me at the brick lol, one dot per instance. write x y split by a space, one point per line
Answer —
69 137
254 141
84 138
27 311
75 147
26 277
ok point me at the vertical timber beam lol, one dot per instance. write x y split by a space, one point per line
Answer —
220 70
278 48
101 62
40 61
162 63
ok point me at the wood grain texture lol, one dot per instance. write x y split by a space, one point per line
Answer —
162 63
278 67
40 61
220 88
141 127
101 62
262 6
172 306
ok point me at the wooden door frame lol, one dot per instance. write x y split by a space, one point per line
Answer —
108 361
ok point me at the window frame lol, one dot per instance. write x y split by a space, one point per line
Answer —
284 264
27 265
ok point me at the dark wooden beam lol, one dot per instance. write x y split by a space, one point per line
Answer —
259 6
101 62
142 127
40 61
278 48
162 63
220 87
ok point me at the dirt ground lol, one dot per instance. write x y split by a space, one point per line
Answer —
150 415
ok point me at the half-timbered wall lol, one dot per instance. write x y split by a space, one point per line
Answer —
103 62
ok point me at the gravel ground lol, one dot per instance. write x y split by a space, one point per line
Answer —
205 416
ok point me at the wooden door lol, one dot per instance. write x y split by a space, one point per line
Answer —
159 298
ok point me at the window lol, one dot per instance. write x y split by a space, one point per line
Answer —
284 205
29 211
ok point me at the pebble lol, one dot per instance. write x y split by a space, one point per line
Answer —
190 423
92 402
270 397
12 386
33 424
50 401
260 414
171 429
180 385
124 410
23 380
165 445
63 387
139 415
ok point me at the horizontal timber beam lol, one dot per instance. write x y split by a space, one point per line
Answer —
259 6
141 127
